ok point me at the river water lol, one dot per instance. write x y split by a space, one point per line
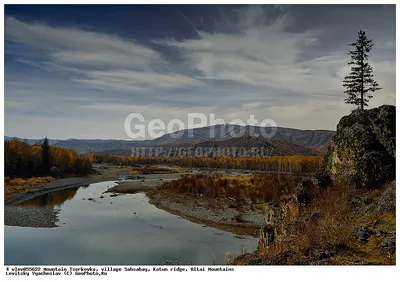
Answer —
122 230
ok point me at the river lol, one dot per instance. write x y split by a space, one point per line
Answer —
121 230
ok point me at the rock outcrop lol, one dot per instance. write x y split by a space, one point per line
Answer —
363 151
387 201
278 217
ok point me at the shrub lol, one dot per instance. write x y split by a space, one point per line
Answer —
267 187
17 182
54 171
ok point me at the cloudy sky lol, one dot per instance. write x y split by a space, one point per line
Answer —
78 71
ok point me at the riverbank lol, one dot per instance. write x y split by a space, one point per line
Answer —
228 200
15 195
219 213
142 183
88 222
40 217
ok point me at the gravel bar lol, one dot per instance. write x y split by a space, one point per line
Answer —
223 216
24 216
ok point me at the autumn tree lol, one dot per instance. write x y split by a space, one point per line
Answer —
359 84
24 160
45 155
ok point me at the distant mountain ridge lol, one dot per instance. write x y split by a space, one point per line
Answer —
285 141
30 141
316 139
98 146
261 146
85 146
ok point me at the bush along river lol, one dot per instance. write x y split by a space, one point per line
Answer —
85 226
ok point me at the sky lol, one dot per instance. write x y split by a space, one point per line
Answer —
79 71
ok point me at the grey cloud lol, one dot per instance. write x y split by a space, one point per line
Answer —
90 53
284 63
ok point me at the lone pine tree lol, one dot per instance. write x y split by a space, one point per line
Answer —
45 155
360 83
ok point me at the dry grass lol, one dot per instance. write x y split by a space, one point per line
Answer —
324 231
328 224
370 251
21 185
258 189
154 170
18 182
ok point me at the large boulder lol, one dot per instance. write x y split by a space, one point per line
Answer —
387 202
363 149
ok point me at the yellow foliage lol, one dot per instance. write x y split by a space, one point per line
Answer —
24 160
295 164
21 182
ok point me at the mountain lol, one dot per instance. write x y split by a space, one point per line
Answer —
316 139
84 146
245 146
98 145
286 141
30 141
254 144
81 146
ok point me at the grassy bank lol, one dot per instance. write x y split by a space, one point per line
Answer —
16 189
230 203
334 225
14 186
338 227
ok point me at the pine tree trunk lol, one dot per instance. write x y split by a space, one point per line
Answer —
362 77
362 85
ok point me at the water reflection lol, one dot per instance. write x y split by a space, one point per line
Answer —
39 212
55 199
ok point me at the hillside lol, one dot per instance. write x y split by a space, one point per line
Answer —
30 141
287 141
270 147
97 146
311 138
85 146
